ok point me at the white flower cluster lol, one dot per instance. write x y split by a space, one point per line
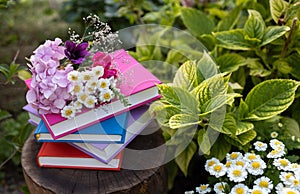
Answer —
89 90
245 174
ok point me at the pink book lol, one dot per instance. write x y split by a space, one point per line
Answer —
138 85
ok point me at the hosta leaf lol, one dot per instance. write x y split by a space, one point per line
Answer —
270 98
277 8
230 62
184 157
220 148
183 120
272 33
233 39
179 98
255 25
197 21
187 76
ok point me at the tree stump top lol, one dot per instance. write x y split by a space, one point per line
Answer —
134 180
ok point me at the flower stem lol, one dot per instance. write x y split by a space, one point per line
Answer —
289 39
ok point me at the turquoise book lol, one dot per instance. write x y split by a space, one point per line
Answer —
112 130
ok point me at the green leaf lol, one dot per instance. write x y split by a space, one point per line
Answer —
183 120
277 8
272 33
233 39
184 157
203 142
270 98
4 115
172 173
24 75
229 21
291 126
258 70
242 110
242 139
179 98
230 62
196 21
163 112
187 76
255 25
206 67
294 61
220 148
218 101
234 127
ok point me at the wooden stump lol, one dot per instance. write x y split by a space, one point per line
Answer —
51 180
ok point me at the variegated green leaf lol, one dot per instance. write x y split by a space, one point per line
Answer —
220 148
270 98
255 25
203 142
183 120
277 8
184 156
272 33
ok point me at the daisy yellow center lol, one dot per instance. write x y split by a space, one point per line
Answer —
210 163
255 165
260 144
74 78
234 155
237 173
86 77
90 101
93 84
256 192
284 163
68 112
240 191
103 85
203 187
277 143
264 184
291 192
217 168
240 163
221 188
77 88
228 164
106 96
273 152
83 97
296 182
288 176
251 157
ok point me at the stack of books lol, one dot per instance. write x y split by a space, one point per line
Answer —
96 138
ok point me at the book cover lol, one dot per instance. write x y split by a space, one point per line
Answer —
139 87
111 130
63 155
138 119
34 117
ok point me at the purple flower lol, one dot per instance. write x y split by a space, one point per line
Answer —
76 53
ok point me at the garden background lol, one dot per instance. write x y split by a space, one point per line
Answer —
252 40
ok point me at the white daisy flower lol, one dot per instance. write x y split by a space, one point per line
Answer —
251 156
260 146
220 187
87 75
264 183
203 188
276 153
68 112
228 164
90 101
98 71
234 156
295 183
274 134
279 188
106 95
257 190
276 144
103 84
82 96
74 76
239 189
92 83
288 190
293 167
77 88
240 162
77 105
281 163
218 170
209 163
236 173
256 167
286 177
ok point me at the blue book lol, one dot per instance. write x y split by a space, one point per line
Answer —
112 130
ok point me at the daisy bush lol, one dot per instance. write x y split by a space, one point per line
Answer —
266 168
75 74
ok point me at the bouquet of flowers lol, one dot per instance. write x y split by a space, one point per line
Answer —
265 170
76 74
